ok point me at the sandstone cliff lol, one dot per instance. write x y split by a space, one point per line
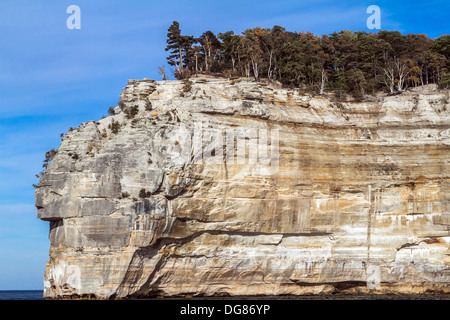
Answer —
236 188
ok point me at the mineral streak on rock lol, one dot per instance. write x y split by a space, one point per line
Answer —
359 202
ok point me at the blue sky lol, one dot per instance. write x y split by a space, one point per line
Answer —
53 78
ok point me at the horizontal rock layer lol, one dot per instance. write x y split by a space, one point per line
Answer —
238 188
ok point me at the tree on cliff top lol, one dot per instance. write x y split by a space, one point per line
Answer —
174 41
179 47
356 63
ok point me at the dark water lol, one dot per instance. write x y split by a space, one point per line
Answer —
21 294
322 297
37 295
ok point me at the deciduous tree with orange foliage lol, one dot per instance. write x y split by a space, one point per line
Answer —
356 63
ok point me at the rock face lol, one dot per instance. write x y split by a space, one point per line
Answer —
223 187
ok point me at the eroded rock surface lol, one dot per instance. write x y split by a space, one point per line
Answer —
332 197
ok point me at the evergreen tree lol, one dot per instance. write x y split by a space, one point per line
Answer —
174 45
252 46
230 45
180 49
353 62
292 60
441 46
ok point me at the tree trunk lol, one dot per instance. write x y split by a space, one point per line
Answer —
323 80
196 64
403 72
269 72
255 66
206 62
247 70
389 79
181 59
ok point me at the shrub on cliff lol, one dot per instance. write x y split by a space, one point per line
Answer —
114 126
131 112
143 193
120 103
187 85
48 157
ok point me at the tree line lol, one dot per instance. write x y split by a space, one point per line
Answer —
357 63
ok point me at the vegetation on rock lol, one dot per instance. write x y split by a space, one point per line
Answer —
346 61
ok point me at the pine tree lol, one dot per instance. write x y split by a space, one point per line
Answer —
174 45
180 47
230 44
352 62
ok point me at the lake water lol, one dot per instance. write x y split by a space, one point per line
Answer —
21 294
37 295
